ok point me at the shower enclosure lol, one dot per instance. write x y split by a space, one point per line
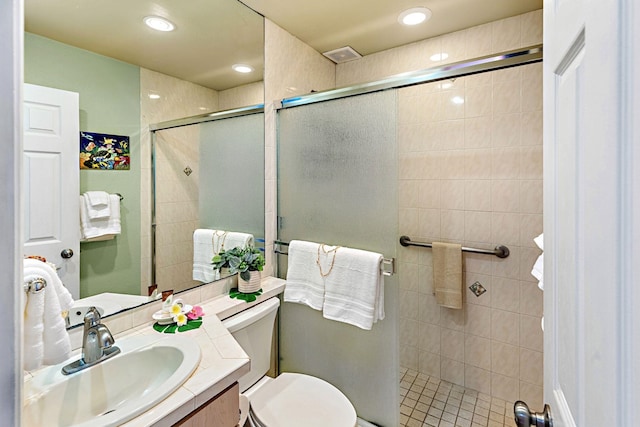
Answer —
449 154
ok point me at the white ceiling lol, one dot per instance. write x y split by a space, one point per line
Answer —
212 35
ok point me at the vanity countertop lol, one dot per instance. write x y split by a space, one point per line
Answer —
222 360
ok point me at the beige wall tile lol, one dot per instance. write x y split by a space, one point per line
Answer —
452 225
452 344
478 101
531 366
430 338
531 299
452 194
505 326
505 228
452 371
530 228
508 267
409 357
429 194
409 332
505 195
532 394
477 226
506 128
505 163
408 274
506 34
532 28
409 193
477 352
429 309
429 222
477 379
530 332
531 162
506 294
452 318
504 387
429 363
531 128
478 320
479 40
477 195
409 304
531 196
477 132
486 282
478 163
505 359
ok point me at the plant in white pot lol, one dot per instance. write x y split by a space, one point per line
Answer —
247 261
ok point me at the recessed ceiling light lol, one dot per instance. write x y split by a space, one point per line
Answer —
159 23
414 16
242 68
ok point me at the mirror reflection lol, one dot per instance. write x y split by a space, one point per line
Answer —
128 80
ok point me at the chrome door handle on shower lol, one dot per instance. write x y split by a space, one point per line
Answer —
525 418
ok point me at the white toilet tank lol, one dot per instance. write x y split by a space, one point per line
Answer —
253 329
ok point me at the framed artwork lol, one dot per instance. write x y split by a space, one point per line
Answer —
104 152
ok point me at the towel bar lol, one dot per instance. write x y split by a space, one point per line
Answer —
35 285
500 251
390 262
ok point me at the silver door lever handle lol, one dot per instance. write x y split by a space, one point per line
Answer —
525 418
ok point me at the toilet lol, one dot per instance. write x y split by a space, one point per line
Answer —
290 400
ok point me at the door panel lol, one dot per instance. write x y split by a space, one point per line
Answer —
51 179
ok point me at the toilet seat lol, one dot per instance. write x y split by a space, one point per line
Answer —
294 400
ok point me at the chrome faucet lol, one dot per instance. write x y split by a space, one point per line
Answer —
97 344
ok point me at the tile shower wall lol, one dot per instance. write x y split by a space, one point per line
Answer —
177 194
470 172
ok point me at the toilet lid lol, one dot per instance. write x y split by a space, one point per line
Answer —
294 400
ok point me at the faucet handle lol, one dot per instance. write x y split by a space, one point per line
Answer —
91 317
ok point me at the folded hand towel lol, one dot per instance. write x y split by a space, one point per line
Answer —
538 267
354 288
98 205
207 243
100 227
46 338
304 283
447 274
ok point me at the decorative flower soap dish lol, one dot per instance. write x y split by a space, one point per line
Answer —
165 318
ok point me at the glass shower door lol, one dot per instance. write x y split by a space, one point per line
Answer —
337 184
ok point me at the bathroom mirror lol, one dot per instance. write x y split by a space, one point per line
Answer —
129 77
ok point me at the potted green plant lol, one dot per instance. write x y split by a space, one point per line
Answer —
248 262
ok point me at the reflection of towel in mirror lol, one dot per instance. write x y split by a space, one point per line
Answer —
46 340
354 290
100 228
97 203
207 243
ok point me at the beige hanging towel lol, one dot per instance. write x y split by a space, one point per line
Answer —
447 274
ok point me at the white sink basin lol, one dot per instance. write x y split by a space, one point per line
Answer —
148 369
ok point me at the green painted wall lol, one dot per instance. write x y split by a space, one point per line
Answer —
109 103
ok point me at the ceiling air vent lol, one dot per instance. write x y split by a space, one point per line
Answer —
343 54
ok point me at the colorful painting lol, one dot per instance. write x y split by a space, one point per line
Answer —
104 152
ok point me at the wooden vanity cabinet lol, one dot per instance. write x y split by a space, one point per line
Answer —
221 411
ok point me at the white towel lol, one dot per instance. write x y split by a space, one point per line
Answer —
354 289
538 267
207 243
46 339
304 283
98 205
100 228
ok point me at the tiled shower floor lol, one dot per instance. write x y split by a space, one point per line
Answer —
430 402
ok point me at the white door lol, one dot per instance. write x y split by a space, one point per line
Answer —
52 180
591 217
